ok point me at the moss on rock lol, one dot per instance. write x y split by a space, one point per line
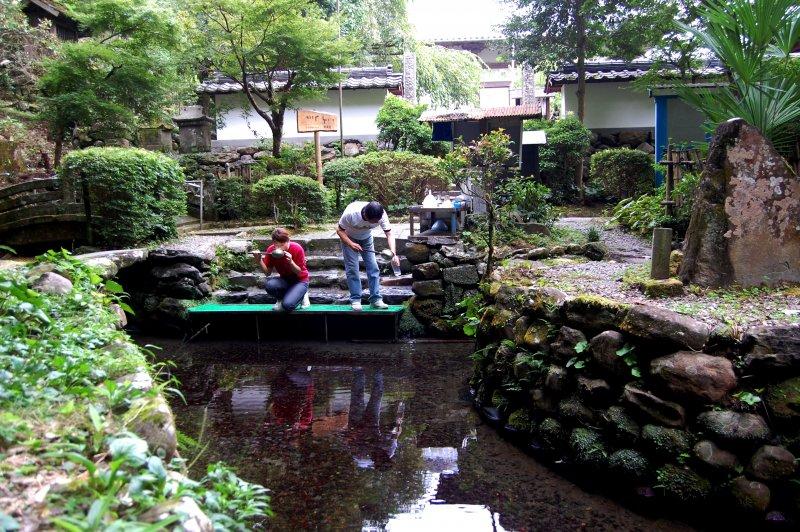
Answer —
666 442
621 426
657 288
552 434
588 447
682 484
521 420
629 464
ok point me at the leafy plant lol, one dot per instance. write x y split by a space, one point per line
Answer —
622 172
135 195
399 179
342 174
559 159
642 214
626 352
290 199
749 398
530 200
472 309
593 234
399 126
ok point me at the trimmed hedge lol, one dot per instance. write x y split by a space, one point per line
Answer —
399 179
135 195
622 172
342 174
559 159
290 199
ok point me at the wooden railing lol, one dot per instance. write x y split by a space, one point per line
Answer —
39 201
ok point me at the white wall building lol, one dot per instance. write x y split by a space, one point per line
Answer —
364 91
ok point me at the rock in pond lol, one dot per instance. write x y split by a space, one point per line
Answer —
151 419
682 484
695 376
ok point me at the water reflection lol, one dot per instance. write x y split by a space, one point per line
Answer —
372 438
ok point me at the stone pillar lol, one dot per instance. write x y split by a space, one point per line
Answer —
528 85
410 76
194 129
662 247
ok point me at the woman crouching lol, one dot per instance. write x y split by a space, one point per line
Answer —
288 259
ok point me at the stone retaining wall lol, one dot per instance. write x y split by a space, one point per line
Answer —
657 402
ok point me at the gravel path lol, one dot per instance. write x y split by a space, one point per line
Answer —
622 246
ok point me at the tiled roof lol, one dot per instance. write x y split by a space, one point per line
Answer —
355 78
618 71
458 115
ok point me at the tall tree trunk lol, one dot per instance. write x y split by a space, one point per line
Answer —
277 132
580 27
490 235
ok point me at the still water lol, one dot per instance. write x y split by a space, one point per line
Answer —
371 437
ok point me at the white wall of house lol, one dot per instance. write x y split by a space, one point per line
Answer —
495 97
610 106
241 125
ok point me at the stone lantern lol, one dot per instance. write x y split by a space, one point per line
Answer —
194 129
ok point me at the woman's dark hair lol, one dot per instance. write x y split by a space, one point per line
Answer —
372 211
280 235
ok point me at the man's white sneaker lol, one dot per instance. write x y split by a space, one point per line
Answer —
356 305
278 307
306 301
379 304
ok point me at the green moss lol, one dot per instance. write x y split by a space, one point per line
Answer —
521 420
598 303
682 484
656 288
588 447
666 442
629 464
621 426
552 434
498 400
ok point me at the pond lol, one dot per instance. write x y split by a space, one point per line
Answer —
371 437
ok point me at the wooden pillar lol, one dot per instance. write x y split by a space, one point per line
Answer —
318 152
662 247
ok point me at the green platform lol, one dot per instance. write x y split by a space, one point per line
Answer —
216 308
342 317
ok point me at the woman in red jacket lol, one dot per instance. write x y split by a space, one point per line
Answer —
288 259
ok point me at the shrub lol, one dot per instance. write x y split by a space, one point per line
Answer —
567 143
399 126
530 200
642 214
232 199
399 179
622 172
290 199
294 160
342 174
135 195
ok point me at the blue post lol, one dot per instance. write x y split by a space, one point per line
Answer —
662 105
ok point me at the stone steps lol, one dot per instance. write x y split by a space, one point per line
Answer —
317 279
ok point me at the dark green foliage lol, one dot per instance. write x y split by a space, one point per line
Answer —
629 464
642 214
521 420
622 172
342 174
588 447
400 128
559 159
135 195
683 484
399 179
290 199
294 160
530 201
228 260
232 199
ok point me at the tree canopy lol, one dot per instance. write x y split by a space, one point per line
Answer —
280 51
126 71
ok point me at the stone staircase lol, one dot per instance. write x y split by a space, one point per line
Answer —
327 280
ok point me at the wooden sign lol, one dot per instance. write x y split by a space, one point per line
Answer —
313 121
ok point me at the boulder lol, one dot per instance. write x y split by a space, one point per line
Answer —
442 261
714 458
736 428
771 462
749 495
575 411
104 265
166 257
665 442
658 288
428 288
594 313
465 275
772 364
675 260
604 349
588 447
594 391
533 228
238 246
657 324
140 380
552 434
543 402
122 319
410 326
651 407
183 288
459 255
176 271
646 147
426 310
352 148
426 271
629 464
743 227
535 336
683 485
594 250
783 401
773 350
564 346
52 283
453 295
246 280
556 379
694 376
621 426
416 253
151 419
225 296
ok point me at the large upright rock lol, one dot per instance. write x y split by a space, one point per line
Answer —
744 223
